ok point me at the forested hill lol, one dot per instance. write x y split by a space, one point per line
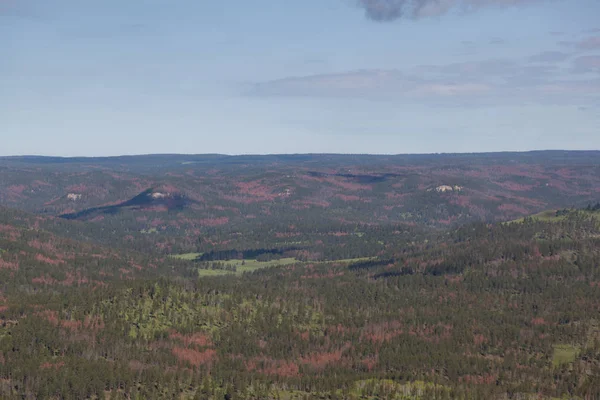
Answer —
38 253
301 277
177 193
482 311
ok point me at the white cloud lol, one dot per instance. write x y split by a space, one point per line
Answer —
539 78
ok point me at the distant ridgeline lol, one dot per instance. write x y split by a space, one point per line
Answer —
178 204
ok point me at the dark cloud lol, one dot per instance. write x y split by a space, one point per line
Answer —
391 10
384 10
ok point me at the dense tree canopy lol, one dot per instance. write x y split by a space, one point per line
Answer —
297 278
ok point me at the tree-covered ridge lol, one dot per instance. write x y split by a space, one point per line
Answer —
483 311
32 258
165 202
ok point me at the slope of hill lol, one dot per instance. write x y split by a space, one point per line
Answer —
482 311
32 258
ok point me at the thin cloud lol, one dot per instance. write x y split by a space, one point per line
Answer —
589 43
352 83
549 57
18 9
589 87
497 81
476 69
445 89
587 64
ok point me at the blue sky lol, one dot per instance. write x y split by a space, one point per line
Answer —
155 76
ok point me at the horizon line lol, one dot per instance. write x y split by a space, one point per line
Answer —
296 154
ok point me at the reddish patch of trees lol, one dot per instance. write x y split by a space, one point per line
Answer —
78 188
195 357
462 201
395 196
198 339
16 191
513 208
320 360
169 188
10 231
345 197
43 280
90 323
136 266
256 189
45 246
38 183
48 260
479 339
538 321
447 221
433 334
384 332
156 222
48 365
214 221
304 204
268 366
486 379
370 362
286 234
339 234
12 266
515 187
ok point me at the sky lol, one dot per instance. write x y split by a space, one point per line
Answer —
112 77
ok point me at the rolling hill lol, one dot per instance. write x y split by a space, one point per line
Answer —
481 311
178 199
